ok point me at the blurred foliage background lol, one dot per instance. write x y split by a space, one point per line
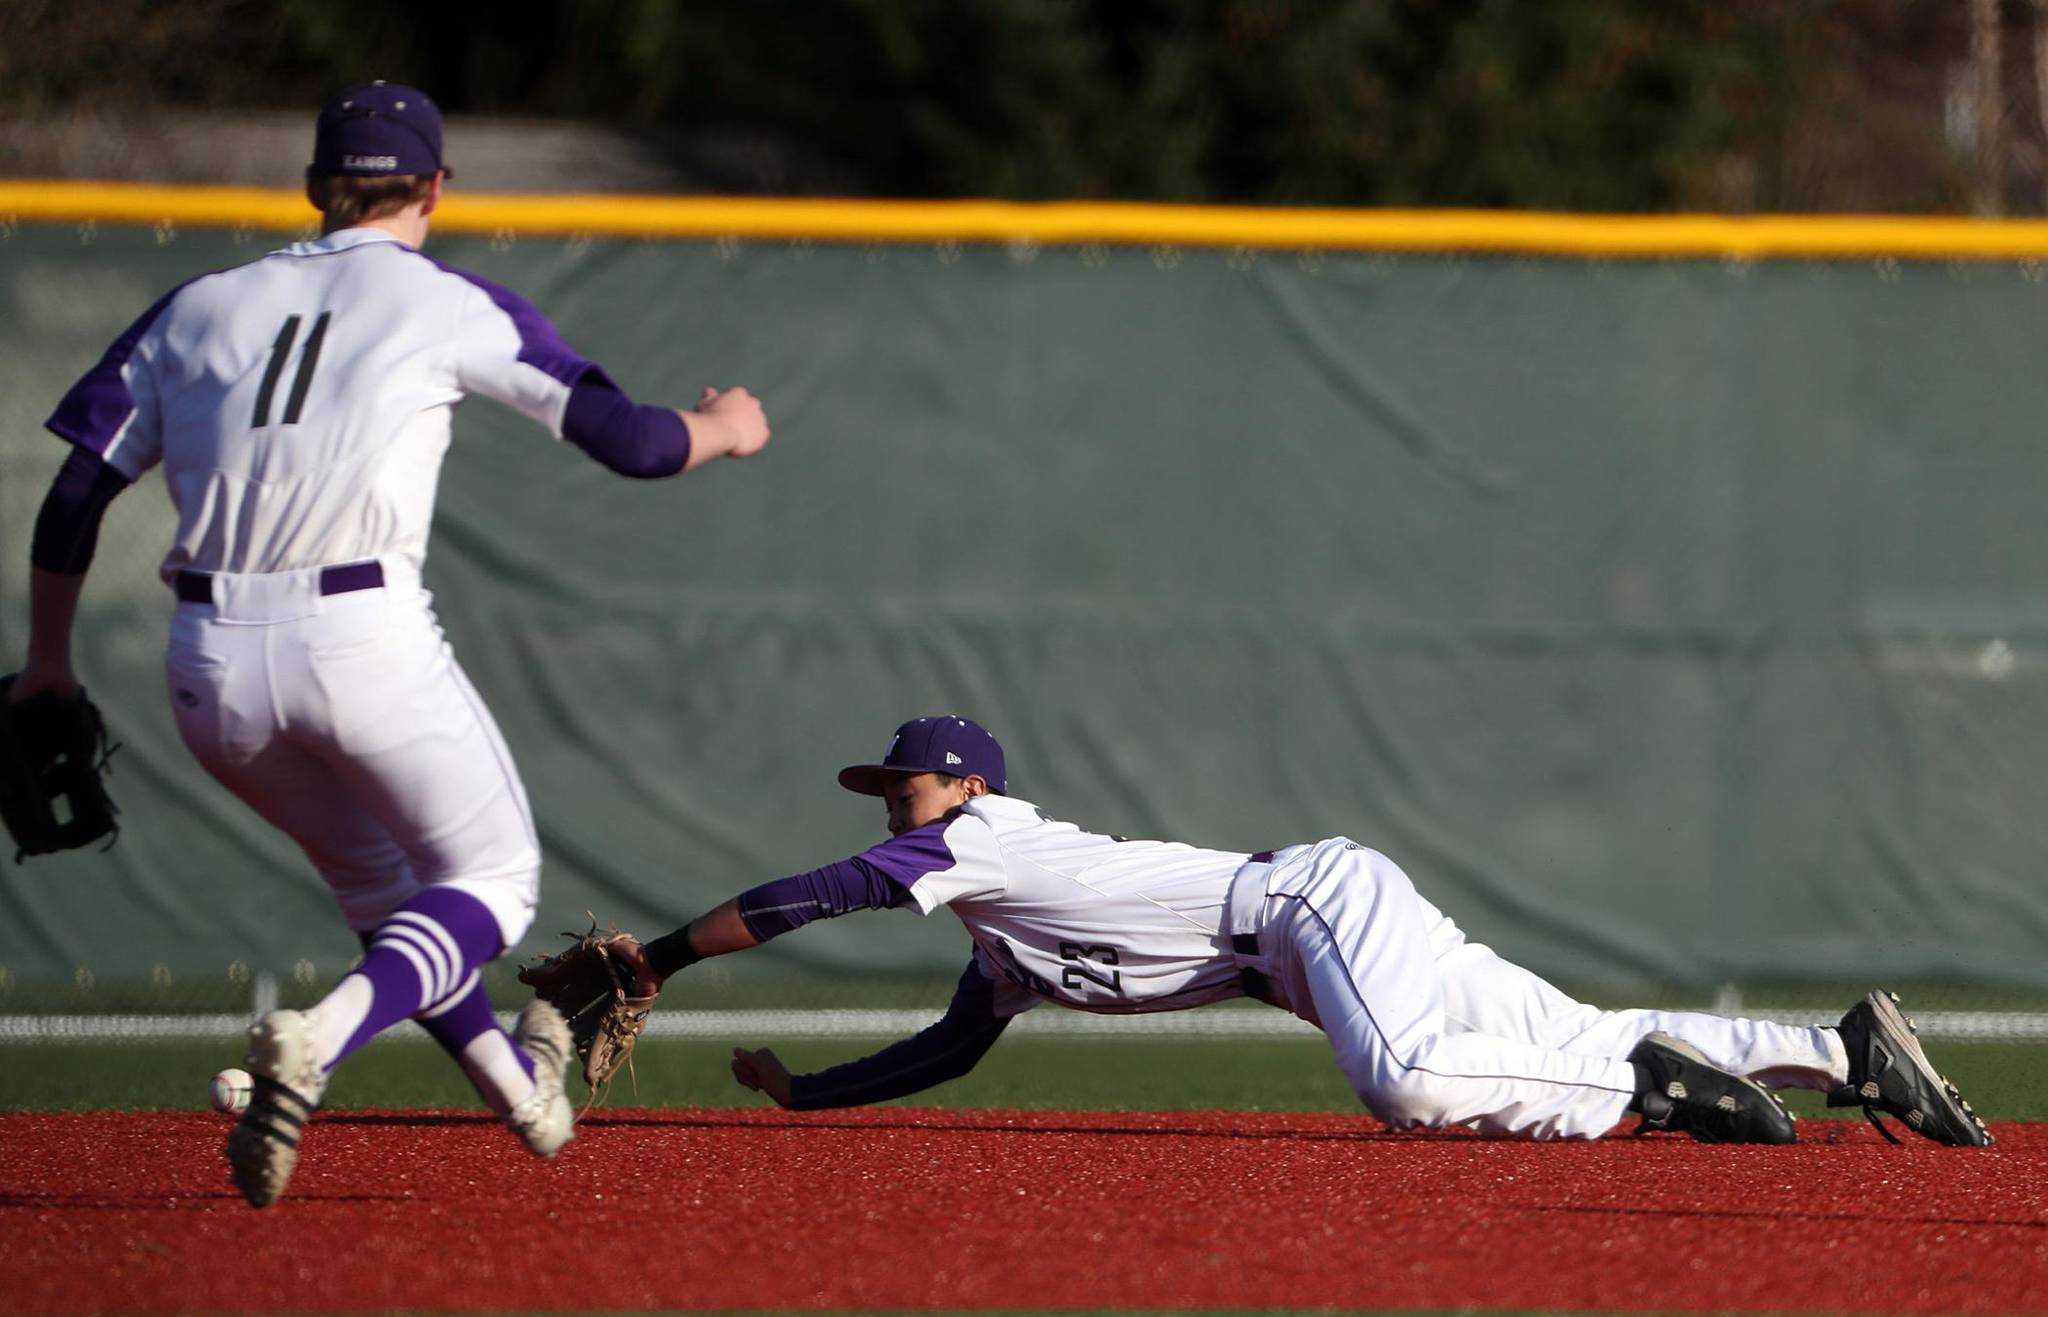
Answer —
1911 106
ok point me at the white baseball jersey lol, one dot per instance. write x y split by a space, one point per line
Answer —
1078 918
300 407
1430 1028
300 404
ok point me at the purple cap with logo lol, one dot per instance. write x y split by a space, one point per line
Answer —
376 130
933 745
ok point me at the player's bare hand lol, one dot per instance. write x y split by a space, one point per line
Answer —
738 413
43 681
763 1072
630 951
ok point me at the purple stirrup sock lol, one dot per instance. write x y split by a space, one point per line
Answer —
422 955
456 1024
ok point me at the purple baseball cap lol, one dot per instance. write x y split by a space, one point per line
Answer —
376 130
933 745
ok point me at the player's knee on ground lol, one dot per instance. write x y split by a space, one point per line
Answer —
1404 1099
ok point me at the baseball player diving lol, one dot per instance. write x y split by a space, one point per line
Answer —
1431 1029
300 408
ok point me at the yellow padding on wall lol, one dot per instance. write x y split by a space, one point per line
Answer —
1760 237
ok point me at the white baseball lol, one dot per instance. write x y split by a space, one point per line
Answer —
230 1090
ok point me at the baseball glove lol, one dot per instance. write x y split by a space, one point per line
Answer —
600 996
53 752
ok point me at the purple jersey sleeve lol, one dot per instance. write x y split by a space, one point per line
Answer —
114 399
506 350
909 856
955 859
947 1050
541 345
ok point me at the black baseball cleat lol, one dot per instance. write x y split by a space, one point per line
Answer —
1681 1090
1888 1072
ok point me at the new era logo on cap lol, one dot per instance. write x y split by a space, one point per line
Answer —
933 745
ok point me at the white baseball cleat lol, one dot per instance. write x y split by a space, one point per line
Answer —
264 1145
545 1120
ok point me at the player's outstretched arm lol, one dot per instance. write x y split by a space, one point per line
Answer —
767 911
642 441
645 442
717 932
946 1051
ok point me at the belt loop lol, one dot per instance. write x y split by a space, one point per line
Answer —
193 587
1244 911
352 576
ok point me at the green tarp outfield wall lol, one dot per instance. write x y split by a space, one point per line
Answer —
1669 622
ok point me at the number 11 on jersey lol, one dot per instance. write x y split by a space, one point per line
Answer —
308 359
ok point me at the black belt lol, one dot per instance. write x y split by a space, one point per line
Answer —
1256 985
197 587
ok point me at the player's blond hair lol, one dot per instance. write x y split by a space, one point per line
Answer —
346 202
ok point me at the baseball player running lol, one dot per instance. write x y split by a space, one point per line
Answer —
300 408
1430 1028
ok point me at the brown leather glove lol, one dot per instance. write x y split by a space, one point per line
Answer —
598 993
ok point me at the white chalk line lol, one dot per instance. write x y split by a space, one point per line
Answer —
745 1025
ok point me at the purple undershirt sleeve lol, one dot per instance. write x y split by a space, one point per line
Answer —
644 442
947 1050
773 909
68 526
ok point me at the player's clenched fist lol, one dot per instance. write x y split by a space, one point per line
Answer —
763 1072
727 423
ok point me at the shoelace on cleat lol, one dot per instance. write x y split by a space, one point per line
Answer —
1870 1114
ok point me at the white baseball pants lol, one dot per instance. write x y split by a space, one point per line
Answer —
1434 1030
344 720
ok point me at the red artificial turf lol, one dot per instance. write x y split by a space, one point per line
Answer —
917 1209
